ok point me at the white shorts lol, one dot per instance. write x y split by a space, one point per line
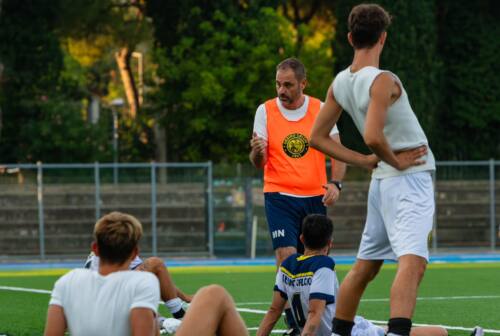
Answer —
399 217
363 327
92 262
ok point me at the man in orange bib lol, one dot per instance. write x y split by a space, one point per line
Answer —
295 182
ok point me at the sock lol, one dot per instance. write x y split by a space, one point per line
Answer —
399 326
342 327
290 321
175 308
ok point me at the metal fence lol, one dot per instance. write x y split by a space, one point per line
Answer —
48 210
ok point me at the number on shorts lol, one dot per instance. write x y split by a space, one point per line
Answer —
298 312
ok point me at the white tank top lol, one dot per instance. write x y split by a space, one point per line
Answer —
402 129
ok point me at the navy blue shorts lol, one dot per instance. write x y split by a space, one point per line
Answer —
285 215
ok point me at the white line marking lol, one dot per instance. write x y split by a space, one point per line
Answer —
275 331
428 298
29 290
259 311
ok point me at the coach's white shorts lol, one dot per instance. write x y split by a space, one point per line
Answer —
93 262
363 327
399 217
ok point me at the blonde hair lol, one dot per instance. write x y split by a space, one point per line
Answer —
117 235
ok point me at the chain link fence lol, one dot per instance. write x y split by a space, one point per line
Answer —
47 211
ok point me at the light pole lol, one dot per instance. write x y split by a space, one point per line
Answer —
115 103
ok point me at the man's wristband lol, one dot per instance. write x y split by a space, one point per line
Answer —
338 184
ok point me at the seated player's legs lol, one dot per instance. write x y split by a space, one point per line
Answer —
170 294
363 327
212 312
408 208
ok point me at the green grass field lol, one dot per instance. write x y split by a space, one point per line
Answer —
455 295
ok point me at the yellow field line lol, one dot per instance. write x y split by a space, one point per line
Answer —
237 269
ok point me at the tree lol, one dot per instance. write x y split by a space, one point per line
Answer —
218 66
32 61
470 104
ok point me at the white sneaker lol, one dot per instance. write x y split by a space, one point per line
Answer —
478 331
169 326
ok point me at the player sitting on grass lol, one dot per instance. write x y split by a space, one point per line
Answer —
117 301
309 283
170 294
112 300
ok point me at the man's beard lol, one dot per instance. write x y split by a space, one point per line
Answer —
285 98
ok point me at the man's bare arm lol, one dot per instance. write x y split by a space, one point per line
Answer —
316 309
143 322
338 167
56 322
258 154
321 140
272 315
381 95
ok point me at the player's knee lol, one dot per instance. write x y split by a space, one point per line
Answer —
153 264
442 332
364 274
216 293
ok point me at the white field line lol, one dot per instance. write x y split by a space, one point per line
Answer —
29 290
429 298
259 311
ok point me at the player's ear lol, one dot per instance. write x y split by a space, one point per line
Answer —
382 38
349 38
301 237
303 84
94 248
135 252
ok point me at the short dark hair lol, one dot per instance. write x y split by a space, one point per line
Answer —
366 23
317 231
297 67
117 235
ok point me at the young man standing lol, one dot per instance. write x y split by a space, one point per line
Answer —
401 196
309 283
295 182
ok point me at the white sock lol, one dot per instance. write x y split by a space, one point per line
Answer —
174 305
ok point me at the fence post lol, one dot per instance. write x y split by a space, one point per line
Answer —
97 195
153 209
434 226
248 216
492 204
41 224
210 209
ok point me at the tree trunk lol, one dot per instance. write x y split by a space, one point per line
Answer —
122 58
161 149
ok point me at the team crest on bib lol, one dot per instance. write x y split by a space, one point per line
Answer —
295 145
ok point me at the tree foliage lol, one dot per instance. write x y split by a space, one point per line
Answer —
215 76
209 64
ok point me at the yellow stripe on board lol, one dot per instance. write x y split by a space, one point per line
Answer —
35 272
239 269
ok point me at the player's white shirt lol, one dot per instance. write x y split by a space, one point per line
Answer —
260 122
401 129
302 278
100 305
92 262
